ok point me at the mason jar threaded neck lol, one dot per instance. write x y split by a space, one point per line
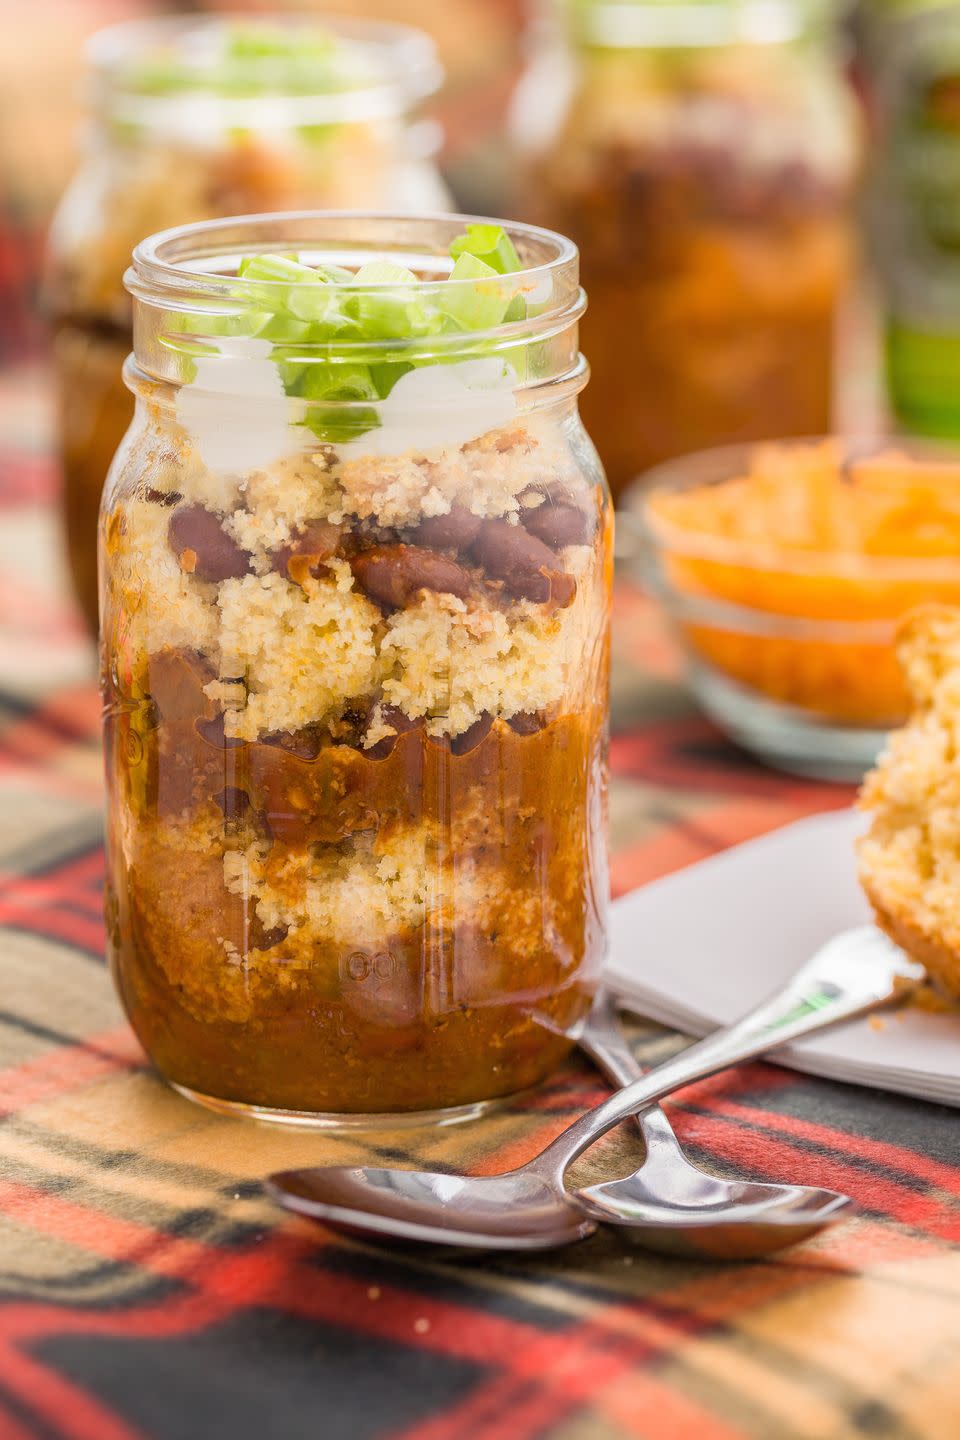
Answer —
185 283
699 24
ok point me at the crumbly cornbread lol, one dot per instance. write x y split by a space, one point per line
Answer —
302 650
488 476
910 859
163 607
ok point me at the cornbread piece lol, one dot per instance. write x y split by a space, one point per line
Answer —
301 653
910 859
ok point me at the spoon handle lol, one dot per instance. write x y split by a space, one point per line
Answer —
603 1040
852 975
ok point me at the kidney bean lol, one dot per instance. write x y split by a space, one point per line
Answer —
305 744
214 733
392 715
233 802
307 550
559 524
395 574
469 739
260 939
176 679
204 548
526 566
526 722
454 531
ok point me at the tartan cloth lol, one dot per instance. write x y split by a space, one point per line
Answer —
149 1290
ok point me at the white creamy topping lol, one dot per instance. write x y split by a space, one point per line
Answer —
235 409
440 406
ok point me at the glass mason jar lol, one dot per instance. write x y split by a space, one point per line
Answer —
702 157
355 558
199 118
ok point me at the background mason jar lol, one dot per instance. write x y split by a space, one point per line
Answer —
198 118
355 674
701 156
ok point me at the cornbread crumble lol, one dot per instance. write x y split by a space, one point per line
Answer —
910 859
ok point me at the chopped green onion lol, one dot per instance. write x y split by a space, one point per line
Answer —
491 244
332 383
516 310
301 308
337 382
386 375
393 314
284 329
266 42
264 275
253 59
481 305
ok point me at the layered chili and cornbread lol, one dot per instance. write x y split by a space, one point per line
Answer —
355 704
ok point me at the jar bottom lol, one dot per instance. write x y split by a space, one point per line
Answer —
352 1121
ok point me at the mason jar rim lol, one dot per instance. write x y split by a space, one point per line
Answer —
691 24
406 64
158 270
190 269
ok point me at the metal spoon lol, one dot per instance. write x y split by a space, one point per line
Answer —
528 1208
672 1206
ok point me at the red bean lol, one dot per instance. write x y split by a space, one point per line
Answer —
395 574
304 744
454 531
469 739
526 722
307 550
214 732
260 939
526 566
166 498
560 524
203 547
234 802
402 724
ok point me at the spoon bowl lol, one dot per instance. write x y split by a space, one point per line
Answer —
529 1208
669 1204
520 1211
738 1220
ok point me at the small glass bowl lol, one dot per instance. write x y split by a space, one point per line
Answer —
790 651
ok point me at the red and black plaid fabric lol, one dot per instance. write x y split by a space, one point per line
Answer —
150 1292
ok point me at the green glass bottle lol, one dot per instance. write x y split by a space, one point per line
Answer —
915 210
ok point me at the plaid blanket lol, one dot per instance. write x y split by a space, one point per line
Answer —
149 1290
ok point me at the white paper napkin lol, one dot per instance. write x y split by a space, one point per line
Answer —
700 947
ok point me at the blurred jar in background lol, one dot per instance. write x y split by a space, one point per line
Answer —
913 57
203 118
702 156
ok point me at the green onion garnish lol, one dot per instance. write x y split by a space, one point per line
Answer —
491 244
298 306
249 60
